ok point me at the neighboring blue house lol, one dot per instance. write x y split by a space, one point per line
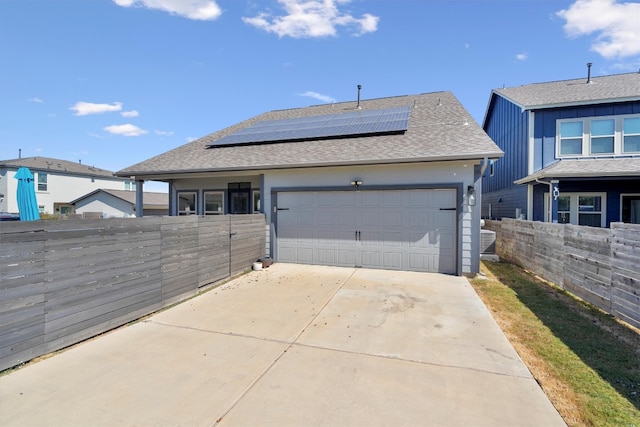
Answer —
576 139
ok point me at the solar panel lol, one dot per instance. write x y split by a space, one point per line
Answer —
352 123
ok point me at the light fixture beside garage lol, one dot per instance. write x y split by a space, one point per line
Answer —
471 195
356 183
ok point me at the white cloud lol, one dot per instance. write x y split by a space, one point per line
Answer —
616 24
200 10
312 18
85 108
318 96
162 133
36 100
125 130
522 57
132 113
191 138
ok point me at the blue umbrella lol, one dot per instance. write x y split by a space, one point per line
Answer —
27 203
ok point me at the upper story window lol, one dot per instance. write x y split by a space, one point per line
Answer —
599 136
42 181
130 185
631 134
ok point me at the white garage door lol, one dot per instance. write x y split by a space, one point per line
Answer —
391 229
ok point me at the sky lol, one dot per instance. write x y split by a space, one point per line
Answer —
115 82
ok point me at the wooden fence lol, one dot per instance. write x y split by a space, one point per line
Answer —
599 265
65 281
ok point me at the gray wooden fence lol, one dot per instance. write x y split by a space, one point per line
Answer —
65 281
599 265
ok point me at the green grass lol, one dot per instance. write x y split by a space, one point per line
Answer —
587 362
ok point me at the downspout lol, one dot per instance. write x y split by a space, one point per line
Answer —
485 164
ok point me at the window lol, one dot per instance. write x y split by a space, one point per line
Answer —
599 136
631 135
579 208
42 181
492 167
256 201
564 210
602 136
570 138
590 211
630 212
187 202
130 186
213 203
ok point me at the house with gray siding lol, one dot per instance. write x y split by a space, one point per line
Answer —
572 151
390 183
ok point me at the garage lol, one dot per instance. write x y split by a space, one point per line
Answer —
412 229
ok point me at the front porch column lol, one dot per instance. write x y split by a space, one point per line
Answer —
555 193
139 199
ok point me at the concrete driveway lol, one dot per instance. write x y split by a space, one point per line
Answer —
293 345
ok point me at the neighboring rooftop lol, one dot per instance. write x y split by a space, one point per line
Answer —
613 88
439 129
46 164
150 198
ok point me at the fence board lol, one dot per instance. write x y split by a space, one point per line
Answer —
599 265
65 281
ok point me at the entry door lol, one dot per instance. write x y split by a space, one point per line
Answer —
239 197
395 229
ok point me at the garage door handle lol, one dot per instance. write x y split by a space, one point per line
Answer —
283 209
447 209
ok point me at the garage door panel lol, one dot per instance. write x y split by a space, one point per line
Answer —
322 218
304 255
327 256
392 229
346 258
392 260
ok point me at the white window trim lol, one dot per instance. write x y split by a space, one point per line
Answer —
38 183
573 213
586 136
204 201
626 195
256 209
187 212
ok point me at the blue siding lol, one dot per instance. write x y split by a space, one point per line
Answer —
505 202
507 126
544 136
612 187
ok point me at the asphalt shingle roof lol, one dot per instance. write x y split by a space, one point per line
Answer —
613 88
587 168
50 165
439 129
150 198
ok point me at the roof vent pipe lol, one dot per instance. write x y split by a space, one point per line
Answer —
19 153
589 64
359 88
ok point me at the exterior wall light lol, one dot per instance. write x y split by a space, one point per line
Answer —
471 195
356 184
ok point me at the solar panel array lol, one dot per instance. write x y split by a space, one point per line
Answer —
359 122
